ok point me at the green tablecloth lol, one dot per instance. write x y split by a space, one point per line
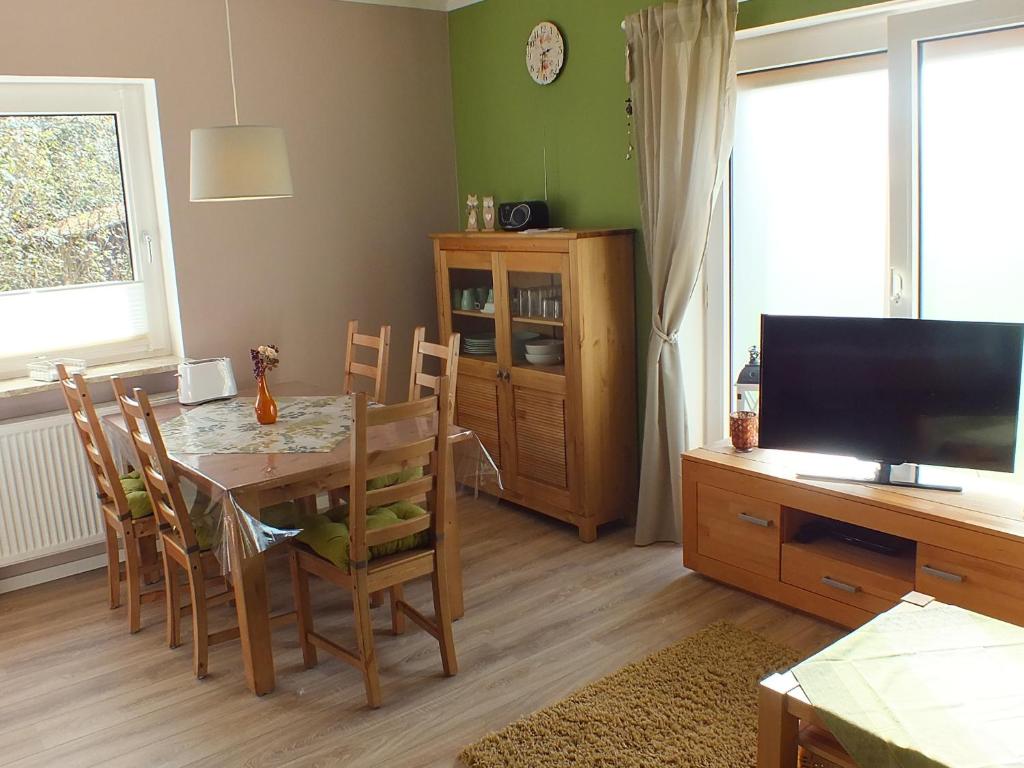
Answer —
931 687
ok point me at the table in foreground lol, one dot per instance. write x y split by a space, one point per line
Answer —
253 481
923 685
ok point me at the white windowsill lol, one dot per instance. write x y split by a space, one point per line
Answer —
151 365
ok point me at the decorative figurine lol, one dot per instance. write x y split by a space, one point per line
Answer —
471 218
489 213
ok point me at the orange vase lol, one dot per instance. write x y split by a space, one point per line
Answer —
266 406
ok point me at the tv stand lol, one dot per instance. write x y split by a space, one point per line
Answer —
743 512
884 477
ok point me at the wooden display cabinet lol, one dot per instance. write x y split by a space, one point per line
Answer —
564 436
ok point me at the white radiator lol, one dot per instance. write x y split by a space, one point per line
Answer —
47 495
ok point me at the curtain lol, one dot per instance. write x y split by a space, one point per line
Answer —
683 86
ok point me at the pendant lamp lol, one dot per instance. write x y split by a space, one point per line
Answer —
238 162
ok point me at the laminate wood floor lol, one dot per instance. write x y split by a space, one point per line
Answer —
545 614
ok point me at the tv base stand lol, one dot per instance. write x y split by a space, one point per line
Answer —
742 514
884 477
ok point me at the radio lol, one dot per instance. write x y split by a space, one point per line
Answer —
529 214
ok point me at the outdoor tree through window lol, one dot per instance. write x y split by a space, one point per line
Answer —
63 220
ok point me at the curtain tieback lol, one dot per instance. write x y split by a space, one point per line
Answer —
672 338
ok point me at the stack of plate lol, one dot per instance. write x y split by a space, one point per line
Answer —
545 351
479 344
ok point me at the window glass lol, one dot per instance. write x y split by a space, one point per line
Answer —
809 195
972 163
62 209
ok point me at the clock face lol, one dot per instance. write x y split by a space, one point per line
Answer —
545 53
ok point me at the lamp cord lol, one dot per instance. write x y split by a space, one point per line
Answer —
231 60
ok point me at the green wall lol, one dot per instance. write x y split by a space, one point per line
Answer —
504 122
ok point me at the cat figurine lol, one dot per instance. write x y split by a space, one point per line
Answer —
472 225
489 213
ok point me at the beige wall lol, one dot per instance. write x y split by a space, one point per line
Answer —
363 93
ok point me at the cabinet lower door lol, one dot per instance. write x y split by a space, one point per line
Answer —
477 409
541 447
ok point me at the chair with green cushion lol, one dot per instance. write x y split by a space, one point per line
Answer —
186 533
385 537
124 506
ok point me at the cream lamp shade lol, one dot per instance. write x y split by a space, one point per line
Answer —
239 162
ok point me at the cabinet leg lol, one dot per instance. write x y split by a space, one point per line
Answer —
588 532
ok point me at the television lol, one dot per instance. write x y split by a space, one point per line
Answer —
892 391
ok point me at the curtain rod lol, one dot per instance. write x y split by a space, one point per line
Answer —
623 24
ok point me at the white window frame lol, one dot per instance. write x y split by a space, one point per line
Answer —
897 27
134 103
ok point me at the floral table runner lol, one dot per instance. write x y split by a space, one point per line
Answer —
304 425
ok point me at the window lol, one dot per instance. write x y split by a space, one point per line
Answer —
875 172
971 166
809 186
82 223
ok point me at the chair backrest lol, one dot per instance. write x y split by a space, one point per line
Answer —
94 442
420 381
156 468
425 446
376 373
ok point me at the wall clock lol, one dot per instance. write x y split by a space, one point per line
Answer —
545 53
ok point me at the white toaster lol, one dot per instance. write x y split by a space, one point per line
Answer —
200 381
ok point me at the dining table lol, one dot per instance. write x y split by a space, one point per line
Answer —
244 468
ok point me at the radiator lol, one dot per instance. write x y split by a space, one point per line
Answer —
47 496
48 499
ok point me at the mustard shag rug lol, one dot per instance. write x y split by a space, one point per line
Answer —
692 705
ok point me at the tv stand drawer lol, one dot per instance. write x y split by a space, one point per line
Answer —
739 530
971 582
849 574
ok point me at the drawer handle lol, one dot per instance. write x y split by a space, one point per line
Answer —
840 585
754 520
944 575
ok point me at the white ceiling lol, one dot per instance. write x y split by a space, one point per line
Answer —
429 5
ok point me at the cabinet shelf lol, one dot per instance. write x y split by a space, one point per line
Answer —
473 313
538 321
557 370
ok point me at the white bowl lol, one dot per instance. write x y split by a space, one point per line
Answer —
545 347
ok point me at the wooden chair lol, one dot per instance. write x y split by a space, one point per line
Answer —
137 532
181 549
423 350
364 575
377 373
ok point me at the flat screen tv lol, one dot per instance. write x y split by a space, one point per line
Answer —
894 391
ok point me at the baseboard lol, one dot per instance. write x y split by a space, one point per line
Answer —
42 575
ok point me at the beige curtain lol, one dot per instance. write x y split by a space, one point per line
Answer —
683 83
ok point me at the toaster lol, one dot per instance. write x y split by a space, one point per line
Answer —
200 381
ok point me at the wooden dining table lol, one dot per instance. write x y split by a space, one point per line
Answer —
245 483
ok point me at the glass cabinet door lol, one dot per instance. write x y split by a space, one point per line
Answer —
471 305
537 306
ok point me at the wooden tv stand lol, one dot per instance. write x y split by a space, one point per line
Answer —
742 511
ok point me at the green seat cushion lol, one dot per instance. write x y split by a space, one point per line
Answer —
328 535
135 492
386 481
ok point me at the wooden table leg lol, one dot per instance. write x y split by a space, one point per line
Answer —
452 543
777 729
251 601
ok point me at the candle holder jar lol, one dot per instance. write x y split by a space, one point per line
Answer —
743 430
